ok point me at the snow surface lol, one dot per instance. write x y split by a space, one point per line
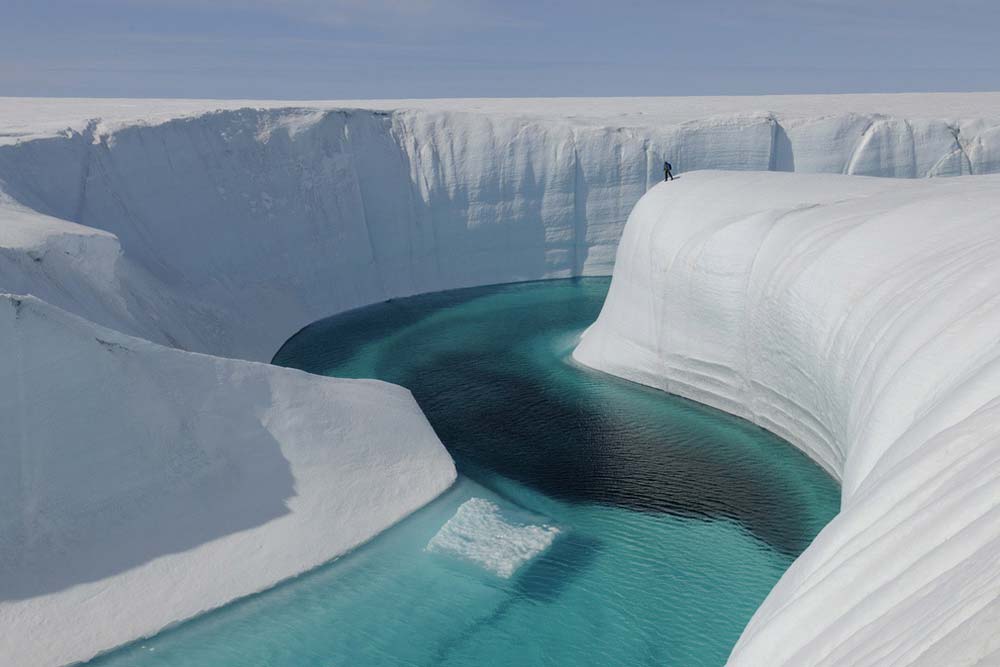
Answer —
34 117
142 485
480 533
857 318
224 226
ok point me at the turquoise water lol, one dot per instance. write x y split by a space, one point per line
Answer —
674 520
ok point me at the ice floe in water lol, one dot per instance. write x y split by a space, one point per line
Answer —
481 533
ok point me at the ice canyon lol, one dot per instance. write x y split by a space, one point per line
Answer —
156 251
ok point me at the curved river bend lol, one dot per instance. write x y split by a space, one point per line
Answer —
594 522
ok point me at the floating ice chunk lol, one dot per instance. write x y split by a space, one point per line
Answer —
479 532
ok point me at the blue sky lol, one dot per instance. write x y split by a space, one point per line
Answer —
313 49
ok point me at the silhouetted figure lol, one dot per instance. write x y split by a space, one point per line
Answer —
667 175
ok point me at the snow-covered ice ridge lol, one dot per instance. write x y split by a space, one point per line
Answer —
858 318
142 485
221 227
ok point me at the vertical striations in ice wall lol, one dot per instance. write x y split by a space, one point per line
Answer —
240 226
858 319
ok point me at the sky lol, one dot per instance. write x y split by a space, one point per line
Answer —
358 49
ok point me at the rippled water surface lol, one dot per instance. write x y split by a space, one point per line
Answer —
595 522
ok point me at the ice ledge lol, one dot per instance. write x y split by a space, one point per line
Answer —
143 485
860 319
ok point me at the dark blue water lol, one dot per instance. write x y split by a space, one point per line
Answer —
595 522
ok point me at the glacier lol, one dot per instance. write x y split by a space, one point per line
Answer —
241 222
858 319
151 234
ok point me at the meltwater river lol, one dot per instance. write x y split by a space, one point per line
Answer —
595 522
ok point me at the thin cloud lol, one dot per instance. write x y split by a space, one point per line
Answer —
445 14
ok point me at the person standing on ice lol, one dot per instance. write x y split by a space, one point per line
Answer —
667 167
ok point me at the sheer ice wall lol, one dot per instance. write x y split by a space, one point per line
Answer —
859 319
240 226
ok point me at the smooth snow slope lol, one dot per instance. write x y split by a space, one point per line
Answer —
859 319
241 226
142 485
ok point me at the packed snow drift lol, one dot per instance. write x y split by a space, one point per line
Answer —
858 318
223 227
142 485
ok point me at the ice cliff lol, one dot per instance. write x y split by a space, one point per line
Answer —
150 229
242 225
857 318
